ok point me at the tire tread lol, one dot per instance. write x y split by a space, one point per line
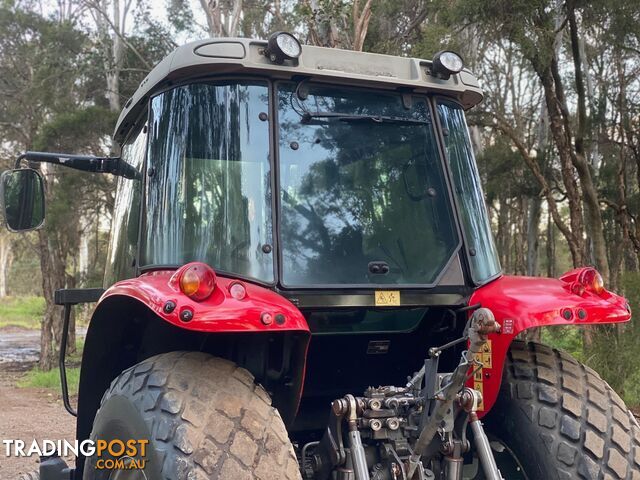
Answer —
584 424
208 418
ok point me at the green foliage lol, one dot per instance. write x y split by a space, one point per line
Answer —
37 77
36 378
613 352
25 312
497 164
569 339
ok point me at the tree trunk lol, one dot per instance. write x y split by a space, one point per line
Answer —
360 24
6 258
593 215
53 276
533 231
551 249
222 20
504 235
564 148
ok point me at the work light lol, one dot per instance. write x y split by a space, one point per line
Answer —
282 46
446 63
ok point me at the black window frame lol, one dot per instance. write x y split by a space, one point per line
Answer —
431 105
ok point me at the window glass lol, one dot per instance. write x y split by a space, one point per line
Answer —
481 250
361 183
360 320
126 213
208 190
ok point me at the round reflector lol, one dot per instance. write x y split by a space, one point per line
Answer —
198 281
266 318
237 290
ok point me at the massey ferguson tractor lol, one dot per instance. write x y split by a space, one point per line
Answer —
301 283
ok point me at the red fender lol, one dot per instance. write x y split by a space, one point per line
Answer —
519 303
218 313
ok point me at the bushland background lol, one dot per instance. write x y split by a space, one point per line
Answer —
557 137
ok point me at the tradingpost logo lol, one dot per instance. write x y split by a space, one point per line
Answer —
107 454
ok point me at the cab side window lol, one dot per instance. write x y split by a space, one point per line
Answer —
123 244
481 250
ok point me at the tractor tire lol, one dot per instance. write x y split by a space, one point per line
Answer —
557 419
204 418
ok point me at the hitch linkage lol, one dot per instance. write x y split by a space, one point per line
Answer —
390 431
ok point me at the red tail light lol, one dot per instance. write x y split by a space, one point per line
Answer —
197 281
592 281
585 279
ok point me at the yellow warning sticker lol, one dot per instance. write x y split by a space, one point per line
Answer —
479 387
486 355
387 298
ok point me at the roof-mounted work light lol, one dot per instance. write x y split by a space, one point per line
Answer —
282 46
445 64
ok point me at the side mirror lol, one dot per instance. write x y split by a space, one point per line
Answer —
22 195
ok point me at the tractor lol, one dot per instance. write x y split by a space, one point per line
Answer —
302 283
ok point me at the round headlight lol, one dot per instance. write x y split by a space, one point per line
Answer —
446 63
282 46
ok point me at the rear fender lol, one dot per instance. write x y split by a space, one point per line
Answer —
521 303
130 324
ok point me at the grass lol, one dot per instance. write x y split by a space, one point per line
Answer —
25 312
36 378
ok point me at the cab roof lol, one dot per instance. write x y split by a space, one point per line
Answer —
243 56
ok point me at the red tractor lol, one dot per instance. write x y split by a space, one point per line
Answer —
302 283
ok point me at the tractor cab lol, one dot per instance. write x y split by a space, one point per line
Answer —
303 178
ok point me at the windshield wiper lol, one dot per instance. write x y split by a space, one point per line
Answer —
380 119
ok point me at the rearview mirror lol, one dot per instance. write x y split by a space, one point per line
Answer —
22 194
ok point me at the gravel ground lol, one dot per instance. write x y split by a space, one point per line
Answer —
26 413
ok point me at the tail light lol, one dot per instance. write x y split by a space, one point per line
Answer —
592 281
585 279
197 281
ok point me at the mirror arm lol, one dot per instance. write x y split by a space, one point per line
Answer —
86 163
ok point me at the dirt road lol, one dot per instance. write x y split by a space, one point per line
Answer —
26 413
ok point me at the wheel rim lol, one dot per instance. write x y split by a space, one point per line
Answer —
507 461
121 421
122 474
133 474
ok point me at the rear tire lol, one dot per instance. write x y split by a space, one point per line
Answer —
204 417
560 420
